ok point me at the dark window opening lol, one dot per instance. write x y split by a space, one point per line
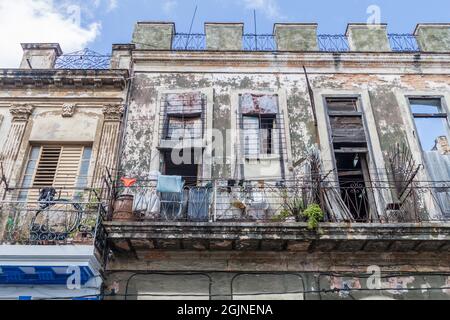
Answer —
187 169
350 151
352 170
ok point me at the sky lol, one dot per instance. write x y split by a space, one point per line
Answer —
97 24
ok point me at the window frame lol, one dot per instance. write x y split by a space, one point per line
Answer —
23 194
441 115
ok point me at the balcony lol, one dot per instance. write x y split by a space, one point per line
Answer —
47 232
270 215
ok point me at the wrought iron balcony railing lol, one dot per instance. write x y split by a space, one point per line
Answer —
278 201
67 217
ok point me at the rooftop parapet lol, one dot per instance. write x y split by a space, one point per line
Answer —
368 37
224 36
40 55
296 36
153 35
433 37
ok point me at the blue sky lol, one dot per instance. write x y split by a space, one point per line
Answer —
97 24
332 16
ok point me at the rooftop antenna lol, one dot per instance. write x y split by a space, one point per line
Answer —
256 37
190 28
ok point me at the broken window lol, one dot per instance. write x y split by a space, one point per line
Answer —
351 156
259 118
55 166
184 116
433 132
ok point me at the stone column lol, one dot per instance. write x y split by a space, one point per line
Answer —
433 37
109 142
10 151
364 37
296 36
224 36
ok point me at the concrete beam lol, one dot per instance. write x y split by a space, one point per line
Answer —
40 55
364 37
296 36
224 36
153 35
433 37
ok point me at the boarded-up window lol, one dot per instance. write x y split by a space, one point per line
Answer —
61 167
345 121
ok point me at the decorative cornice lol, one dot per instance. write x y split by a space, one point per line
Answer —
21 78
113 112
21 112
68 110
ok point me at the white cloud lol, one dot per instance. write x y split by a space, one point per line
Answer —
169 5
112 5
270 8
41 21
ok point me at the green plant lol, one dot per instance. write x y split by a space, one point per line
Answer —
283 215
293 205
314 214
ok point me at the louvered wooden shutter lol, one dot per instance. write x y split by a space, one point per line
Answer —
67 170
58 167
68 167
46 169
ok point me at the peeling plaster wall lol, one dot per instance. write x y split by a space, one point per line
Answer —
144 95
319 286
389 118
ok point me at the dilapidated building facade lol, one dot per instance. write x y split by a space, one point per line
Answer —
286 166
269 132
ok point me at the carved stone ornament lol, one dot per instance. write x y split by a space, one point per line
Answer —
68 110
113 112
21 112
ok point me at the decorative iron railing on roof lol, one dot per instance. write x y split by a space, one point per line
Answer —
259 42
84 59
403 42
189 42
333 43
267 42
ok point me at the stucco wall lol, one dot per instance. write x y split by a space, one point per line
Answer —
381 89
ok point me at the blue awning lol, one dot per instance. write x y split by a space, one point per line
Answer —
41 275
